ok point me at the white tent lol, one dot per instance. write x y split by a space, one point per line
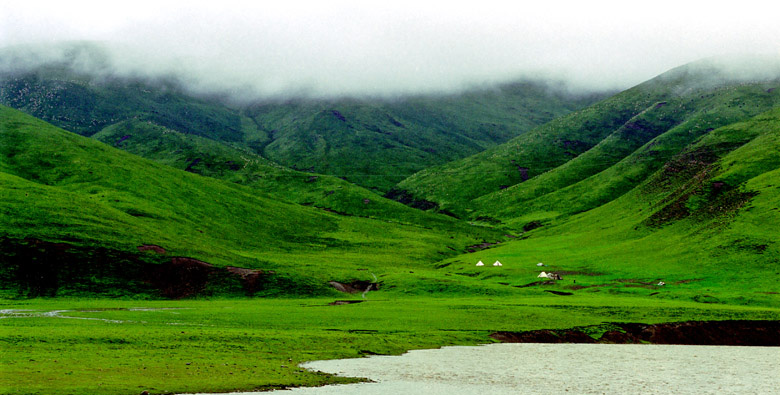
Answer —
480 263
542 275
497 263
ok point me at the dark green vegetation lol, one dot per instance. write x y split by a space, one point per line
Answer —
377 143
84 106
374 143
659 204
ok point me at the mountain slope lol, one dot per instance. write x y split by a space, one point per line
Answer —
377 142
625 158
243 166
514 179
62 188
85 104
705 224
372 142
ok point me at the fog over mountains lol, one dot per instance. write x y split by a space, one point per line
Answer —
349 48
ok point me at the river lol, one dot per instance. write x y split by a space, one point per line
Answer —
559 369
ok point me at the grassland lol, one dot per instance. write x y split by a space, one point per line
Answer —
125 347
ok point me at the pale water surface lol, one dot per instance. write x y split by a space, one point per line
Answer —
560 369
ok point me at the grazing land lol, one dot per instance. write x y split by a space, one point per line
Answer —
128 346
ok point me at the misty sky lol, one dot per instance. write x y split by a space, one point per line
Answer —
352 47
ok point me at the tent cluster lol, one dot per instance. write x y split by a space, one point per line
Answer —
551 276
496 263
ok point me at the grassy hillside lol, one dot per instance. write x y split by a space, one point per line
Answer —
59 187
705 223
566 166
371 142
215 159
378 142
629 155
86 104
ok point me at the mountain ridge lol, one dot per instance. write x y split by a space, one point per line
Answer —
529 165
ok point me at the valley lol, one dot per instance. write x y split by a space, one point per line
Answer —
186 243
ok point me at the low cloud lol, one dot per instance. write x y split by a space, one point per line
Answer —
353 49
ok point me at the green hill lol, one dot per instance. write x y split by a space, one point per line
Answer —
86 104
590 157
82 212
371 142
378 142
665 179
705 223
216 159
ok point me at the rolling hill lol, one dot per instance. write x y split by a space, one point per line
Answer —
243 166
588 158
376 143
705 223
371 142
83 216
670 182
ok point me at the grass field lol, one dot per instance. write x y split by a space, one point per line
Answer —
127 346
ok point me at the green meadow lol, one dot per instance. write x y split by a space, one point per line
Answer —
128 346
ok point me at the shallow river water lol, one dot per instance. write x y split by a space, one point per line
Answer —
560 369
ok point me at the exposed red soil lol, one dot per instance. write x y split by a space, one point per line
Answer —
536 283
481 246
43 268
577 273
151 247
251 279
181 277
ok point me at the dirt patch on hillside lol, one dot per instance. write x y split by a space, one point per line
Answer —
251 279
536 284
711 333
406 197
40 268
481 246
687 281
151 248
578 273
181 277
559 293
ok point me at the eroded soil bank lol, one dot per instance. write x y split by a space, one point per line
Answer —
708 333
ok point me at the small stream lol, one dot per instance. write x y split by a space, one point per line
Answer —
560 369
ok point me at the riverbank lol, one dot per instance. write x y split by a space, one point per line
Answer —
704 333
107 346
